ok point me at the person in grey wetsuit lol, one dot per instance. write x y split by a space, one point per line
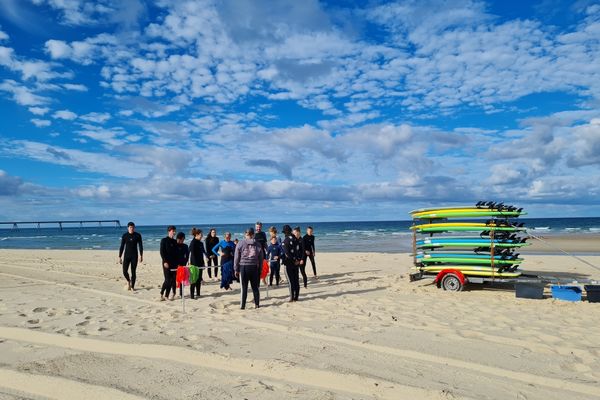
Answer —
247 264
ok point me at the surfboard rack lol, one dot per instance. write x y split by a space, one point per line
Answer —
448 273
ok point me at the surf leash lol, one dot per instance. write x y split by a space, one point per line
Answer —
563 251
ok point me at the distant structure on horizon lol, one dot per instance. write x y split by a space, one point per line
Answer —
15 224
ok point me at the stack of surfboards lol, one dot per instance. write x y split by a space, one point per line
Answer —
479 240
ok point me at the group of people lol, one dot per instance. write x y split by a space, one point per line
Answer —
242 261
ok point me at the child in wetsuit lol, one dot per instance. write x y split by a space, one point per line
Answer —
274 252
183 254
197 253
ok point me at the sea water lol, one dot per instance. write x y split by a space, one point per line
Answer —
364 236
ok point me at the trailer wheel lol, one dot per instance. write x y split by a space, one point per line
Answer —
452 283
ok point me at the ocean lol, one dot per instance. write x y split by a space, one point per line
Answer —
364 236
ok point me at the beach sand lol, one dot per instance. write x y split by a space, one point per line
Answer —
579 244
68 329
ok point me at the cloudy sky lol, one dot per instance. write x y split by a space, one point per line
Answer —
231 110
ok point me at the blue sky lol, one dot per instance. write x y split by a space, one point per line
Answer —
224 111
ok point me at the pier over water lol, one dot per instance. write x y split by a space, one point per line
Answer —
38 224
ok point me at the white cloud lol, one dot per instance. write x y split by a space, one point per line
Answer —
85 51
65 114
58 49
96 117
80 12
80 160
22 95
41 123
111 137
97 192
3 36
37 70
9 185
434 56
39 110
75 87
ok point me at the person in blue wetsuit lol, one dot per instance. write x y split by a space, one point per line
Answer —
274 255
227 247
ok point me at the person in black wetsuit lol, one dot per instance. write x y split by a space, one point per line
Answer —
213 258
168 254
261 238
197 253
308 242
301 265
128 253
183 255
292 256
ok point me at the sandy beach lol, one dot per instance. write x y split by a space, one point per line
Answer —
68 329
578 244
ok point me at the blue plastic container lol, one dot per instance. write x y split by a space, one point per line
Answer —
568 293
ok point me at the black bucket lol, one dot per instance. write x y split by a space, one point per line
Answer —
529 290
592 293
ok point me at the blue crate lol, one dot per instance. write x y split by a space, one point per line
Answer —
568 293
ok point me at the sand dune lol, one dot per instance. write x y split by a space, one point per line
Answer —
361 331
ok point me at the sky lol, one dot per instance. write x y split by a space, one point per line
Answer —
177 111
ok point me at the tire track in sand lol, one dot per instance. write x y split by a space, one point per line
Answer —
85 289
520 376
58 388
270 369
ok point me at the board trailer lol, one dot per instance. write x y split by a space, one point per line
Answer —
454 280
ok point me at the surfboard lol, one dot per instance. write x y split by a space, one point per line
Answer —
486 243
464 227
466 260
466 208
468 242
474 239
466 214
462 255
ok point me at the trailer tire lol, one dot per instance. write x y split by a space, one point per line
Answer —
452 283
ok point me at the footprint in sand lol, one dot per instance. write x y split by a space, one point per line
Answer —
83 323
39 309
33 321
575 367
